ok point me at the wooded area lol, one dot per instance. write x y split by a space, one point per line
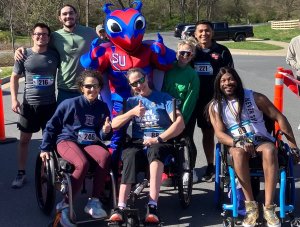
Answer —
19 15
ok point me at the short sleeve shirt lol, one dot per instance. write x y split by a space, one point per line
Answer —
156 119
39 70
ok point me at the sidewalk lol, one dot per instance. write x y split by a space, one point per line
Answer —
281 52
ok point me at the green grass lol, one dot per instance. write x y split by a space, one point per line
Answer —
6 71
265 32
251 45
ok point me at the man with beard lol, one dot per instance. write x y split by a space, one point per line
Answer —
72 41
237 118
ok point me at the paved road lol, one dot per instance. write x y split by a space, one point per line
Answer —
18 208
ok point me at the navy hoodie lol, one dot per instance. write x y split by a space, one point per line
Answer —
73 115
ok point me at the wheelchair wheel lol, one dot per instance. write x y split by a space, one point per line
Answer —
44 184
185 181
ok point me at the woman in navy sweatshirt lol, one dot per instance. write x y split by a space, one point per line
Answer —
76 129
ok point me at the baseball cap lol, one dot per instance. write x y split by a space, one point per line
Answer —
99 28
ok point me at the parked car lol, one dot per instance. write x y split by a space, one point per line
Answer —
224 32
187 30
178 29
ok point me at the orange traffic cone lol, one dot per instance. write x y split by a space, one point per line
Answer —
3 139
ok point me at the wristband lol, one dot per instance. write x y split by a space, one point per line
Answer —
159 139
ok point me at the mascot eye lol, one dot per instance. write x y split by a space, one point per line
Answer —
140 23
113 26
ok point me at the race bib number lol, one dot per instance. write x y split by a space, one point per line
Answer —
204 68
152 133
42 81
244 129
86 136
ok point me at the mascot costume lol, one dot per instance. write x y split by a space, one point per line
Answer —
126 49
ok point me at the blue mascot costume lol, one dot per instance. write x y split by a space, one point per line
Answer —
126 49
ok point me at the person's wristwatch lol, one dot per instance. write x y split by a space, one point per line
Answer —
159 139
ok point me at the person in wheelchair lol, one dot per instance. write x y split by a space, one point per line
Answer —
153 125
76 130
237 118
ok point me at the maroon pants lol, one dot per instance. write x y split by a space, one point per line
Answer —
72 153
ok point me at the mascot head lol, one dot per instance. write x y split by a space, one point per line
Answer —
125 28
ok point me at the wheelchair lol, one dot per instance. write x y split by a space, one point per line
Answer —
54 175
179 169
226 183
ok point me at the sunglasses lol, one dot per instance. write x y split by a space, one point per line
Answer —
184 53
90 86
140 81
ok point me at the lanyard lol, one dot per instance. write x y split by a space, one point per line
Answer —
233 111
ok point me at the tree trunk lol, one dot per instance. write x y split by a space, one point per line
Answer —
87 12
11 26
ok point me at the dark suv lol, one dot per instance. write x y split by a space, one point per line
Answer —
179 28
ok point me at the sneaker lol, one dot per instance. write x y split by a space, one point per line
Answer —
209 174
117 215
151 216
94 208
271 217
19 181
166 180
251 214
65 217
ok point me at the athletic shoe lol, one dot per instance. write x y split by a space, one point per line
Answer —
251 214
94 208
19 181
117 215
151 216
209 174
65 217
271 217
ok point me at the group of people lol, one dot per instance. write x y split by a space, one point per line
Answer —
202 79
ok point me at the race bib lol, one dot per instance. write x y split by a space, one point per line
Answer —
86 136
204 68
245 129
152 133
42 81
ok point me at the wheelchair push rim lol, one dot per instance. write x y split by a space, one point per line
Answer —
44 184
185 187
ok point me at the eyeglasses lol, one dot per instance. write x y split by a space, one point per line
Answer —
41 34
139 81
184 53
90 86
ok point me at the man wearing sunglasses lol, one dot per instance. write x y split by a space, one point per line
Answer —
39 102
210 57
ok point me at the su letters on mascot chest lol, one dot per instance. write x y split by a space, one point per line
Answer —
125 29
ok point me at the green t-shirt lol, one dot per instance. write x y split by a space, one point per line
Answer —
183 84
70 46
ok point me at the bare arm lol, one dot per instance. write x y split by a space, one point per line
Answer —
267 107
219 127
14 87
175 128
122 119
19 54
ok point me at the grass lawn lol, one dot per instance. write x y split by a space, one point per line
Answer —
265 32
6 71
251 45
